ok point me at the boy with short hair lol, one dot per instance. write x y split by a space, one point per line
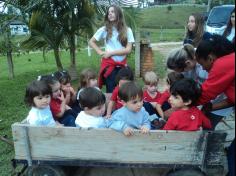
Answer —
184 95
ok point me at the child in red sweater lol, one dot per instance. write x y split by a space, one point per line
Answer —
184 95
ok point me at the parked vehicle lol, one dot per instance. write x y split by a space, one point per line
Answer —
218 19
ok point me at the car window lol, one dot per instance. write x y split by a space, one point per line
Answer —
219 16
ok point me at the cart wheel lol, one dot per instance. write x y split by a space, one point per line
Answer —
186 172
45 171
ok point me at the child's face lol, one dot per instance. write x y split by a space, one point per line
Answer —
42 101
97 111
191 23
111 14
66 87
177 102
134 105
152 88
56 90
93 83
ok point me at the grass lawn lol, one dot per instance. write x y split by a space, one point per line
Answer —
13 108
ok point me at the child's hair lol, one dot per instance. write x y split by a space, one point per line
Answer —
125 74
150 78
50 79
86 75
120 24
229 25
216 45
188 89
130 91
172 77
63 77
199 29
91 97
178 57
36 88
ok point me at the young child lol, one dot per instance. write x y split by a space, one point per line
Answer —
68 91
151 95
123 76
93 102
118 39
184 95
60 110
195 30
132 115
38 96
162 103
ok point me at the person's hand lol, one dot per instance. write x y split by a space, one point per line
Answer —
61 97
101 53
144 130
128 131
107 55
108 116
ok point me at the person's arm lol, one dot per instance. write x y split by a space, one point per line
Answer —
110 108
120 52
159 110
92 43
63 106
206 123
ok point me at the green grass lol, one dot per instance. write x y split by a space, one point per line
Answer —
154 18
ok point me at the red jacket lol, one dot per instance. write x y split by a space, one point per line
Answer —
187 120
221 79
107 66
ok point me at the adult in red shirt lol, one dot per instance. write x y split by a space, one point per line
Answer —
217 56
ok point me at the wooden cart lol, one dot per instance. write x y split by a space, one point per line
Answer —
49 150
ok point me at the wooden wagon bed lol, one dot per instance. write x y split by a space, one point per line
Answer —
108 148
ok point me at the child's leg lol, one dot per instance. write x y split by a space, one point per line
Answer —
149 108
68 119
111 80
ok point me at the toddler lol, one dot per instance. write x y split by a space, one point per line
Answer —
187 117
132 115
92 101
60 110
38 96
68 91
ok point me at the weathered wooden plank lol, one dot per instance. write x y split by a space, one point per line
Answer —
63 143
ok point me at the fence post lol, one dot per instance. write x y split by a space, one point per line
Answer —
137 54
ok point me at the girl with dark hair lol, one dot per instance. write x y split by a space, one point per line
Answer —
38 96
195 30
229 32
118 39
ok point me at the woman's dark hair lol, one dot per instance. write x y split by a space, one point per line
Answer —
229 25
91 97
63 77
216 45
36 88
50 79
130 91
188 89
125 74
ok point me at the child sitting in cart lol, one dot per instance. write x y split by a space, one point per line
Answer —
92 101
38 96
132 115
184 95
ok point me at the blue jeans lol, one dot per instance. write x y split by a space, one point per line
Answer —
110 81
215 119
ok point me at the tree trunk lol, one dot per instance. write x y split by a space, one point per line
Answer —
73 70
10 65
44 55
58 60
